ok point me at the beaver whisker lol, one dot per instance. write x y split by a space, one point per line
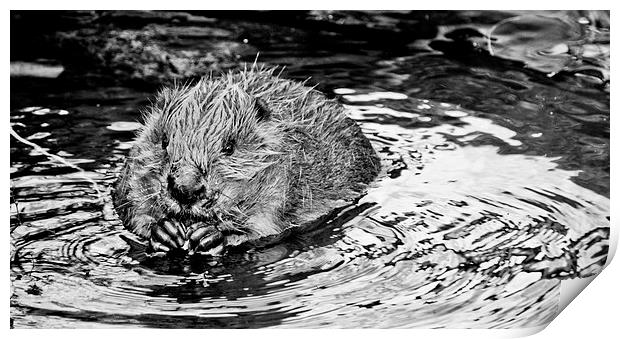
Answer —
154 164
148 197
124 204
225 195
139 203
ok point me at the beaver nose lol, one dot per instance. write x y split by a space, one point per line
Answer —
185 190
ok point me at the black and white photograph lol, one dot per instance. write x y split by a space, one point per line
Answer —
306 169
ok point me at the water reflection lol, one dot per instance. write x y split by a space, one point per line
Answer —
494 188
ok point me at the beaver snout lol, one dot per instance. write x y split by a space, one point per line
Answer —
185 186
185 193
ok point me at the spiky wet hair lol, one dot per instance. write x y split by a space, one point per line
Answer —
200 120
295 153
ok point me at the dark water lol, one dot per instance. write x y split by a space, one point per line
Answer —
495 188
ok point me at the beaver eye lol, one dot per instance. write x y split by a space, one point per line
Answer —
164 141
262 110
229 147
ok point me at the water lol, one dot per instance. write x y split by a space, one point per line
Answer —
495 188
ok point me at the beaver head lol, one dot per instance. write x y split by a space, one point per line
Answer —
206 158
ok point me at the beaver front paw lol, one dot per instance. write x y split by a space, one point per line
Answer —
167 235
205 238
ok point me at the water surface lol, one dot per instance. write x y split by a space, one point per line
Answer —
495 188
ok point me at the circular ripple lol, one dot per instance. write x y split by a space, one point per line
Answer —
466 227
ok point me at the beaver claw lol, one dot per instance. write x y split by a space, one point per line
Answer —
170 235
205 238
167 235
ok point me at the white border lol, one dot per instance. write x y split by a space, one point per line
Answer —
592 314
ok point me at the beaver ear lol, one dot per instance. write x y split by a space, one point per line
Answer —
262 111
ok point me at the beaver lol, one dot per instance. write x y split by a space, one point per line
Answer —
239 157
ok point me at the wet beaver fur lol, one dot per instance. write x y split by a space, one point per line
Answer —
238 158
